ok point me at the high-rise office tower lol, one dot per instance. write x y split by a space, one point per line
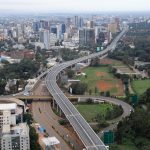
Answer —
44 24
68 22
53 29
45 38
86 36
36 26
76 22
63 28
81 23
90 24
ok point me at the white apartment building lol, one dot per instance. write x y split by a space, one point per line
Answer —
15 137
45 38
53 39
12 136
7 114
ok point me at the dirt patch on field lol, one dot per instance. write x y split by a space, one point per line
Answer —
104 86
99 74
106 61
108 86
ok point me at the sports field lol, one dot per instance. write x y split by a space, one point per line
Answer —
89 112
140 86
101 78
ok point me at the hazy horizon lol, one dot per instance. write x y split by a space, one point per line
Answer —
74 6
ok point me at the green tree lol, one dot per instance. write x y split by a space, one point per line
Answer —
95 62
2 86
79 88
34 139
90 91
96 90
70 73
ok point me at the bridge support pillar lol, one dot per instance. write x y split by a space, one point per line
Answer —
79 99
60 112
53 103
57 108
89 61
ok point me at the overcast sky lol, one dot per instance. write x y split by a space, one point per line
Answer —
75 5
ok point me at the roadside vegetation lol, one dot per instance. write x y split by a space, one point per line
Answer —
34 145
134 131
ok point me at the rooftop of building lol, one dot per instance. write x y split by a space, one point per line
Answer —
20 129
8 106
50 141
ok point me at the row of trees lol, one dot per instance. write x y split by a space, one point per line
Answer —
34 145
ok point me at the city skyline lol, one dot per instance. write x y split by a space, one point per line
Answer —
74 6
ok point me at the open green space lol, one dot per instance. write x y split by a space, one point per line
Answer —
90 111
101 78
140 86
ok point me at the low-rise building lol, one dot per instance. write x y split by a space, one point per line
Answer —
50 143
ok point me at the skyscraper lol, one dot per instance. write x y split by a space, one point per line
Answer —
81 23
45 38
90 24
76 22
86 36
36 26
63 28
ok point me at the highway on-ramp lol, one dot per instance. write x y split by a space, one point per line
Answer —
82 128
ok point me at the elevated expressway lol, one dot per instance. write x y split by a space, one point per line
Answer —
82 128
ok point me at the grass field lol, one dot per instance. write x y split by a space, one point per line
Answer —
140 86
89 112
101 78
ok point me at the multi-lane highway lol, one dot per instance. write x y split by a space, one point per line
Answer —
82 128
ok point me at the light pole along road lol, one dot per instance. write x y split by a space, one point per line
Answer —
81 127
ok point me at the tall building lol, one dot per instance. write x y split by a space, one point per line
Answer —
113 27
44 24
75 21
63 28
36 26
117 21
53 29
7 114
19 30
12 136
86 36
59 31
68 22
45 38
81 23
90 24
15 137
53 39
